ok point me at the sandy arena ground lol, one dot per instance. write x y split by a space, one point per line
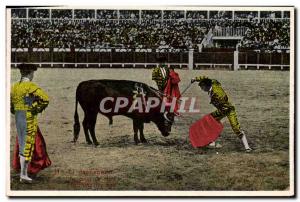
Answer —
165 163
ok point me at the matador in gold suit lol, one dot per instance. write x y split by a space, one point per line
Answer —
160 74
224 107
27 100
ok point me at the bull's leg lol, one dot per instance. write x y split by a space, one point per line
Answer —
85 128
135 131
110 124
141 129
92 123
110 120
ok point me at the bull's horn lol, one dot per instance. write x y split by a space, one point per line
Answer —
165 116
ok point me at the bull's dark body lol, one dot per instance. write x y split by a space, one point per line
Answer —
89 95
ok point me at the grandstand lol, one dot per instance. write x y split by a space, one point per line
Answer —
134 38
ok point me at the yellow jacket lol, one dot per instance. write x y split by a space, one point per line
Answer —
28 96
160 77
217 95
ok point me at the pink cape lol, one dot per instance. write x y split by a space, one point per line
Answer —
40 158
205 131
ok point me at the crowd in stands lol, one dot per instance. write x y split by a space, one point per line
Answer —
270 35
18 13
129 14
140 30
107 14
99 34
62 14
85 14
173 14
196 15
39 13
151 14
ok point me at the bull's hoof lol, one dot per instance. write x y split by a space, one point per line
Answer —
96 144
143 140
89 142
136 141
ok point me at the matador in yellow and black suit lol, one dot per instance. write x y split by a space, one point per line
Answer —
27 100
224 107
160 74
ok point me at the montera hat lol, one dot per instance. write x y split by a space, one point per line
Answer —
27 67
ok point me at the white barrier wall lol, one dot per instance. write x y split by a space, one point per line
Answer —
191 59
235 60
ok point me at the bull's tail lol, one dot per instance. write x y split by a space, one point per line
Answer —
76 126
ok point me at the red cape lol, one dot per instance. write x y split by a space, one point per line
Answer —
40 158
205 131
172 88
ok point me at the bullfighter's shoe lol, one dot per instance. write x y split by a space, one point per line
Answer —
245 142
215 145
24 167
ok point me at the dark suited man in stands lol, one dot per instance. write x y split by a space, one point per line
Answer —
160 74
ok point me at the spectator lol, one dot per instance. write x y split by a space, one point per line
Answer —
172 33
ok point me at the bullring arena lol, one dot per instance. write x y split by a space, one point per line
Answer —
261 98
166 163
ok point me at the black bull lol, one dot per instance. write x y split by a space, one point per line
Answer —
90 93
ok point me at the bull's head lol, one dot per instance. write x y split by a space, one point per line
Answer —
164 122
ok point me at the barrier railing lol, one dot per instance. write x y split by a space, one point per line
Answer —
212 66
100 65
263 66
196 60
